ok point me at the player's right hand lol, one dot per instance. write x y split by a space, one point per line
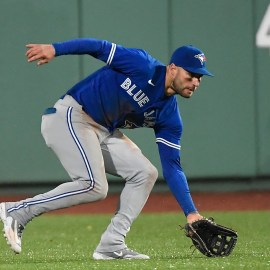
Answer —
192 217
42 53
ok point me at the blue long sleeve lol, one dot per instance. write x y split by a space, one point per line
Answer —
126 60
80 46
175 177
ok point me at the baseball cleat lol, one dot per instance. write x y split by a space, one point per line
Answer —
12 230
125 253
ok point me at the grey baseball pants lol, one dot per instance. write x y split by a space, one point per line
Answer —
87 151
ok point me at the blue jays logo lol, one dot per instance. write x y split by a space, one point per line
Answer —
201 57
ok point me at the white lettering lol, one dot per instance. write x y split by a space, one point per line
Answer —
143 101
149 115
131 89
139 95
126 84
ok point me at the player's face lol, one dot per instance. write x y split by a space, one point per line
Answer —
185 83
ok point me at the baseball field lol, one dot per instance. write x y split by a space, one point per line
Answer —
65 239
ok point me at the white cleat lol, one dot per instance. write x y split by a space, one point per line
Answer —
12 230
125 253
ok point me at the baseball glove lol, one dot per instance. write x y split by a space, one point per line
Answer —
211 239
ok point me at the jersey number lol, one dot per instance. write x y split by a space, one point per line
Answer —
263 34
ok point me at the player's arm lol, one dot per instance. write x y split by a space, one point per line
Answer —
168 130
176 178
127 60
43 53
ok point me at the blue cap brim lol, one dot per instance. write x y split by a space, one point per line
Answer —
201 71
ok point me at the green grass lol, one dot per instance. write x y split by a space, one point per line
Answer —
67 242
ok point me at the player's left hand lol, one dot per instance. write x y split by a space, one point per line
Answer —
42 53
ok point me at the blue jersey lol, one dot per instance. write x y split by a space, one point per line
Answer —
128 92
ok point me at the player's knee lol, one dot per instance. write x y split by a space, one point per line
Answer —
101 191
153 173
150 174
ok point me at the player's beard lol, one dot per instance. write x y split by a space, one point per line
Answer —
181 91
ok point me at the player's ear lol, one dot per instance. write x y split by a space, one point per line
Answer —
172 70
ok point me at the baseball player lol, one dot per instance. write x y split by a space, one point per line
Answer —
132 90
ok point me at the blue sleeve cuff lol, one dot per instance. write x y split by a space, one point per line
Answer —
56 48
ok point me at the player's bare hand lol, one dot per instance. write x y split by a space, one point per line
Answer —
42 53
193 217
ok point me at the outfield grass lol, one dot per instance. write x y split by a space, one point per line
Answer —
67 242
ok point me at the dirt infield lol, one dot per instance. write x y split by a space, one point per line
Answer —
165 202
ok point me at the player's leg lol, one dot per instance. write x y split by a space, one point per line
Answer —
76 144
123 158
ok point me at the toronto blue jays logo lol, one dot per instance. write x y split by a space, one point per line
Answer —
201 57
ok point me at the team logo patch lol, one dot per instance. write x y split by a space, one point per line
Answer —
201 57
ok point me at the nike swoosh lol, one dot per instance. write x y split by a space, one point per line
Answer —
150 82
120 254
